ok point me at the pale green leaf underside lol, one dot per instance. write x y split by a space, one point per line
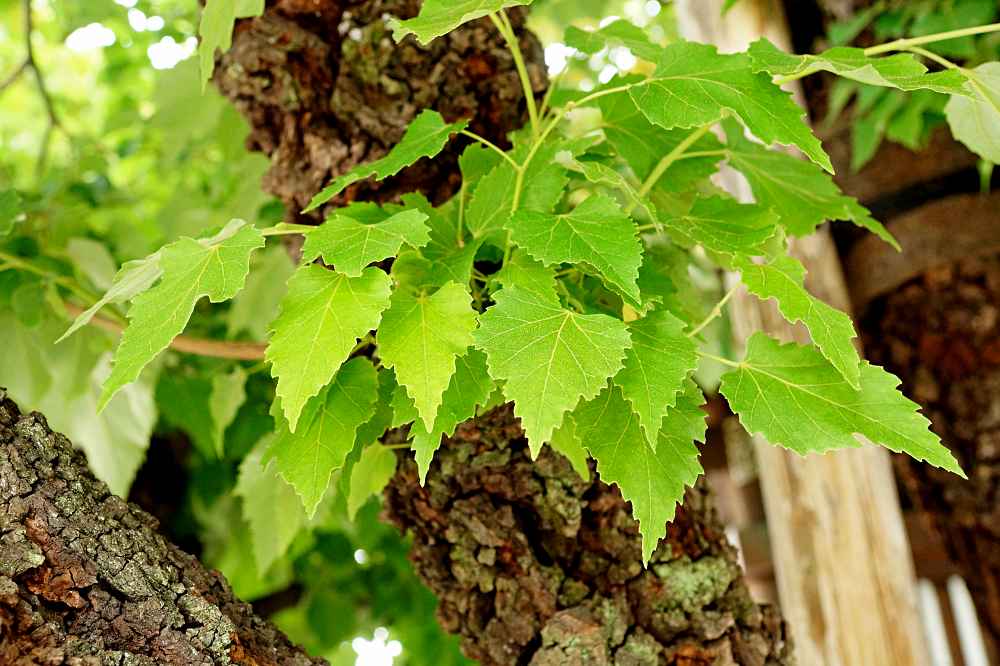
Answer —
270 507
694 85
662 355
831 330
975 121
653 481
566 441
795 398
597 232
550 358
216 29
425 137
900 70
369 475
349 245
191 270
421 336
306 459
228 394
322 317
439 17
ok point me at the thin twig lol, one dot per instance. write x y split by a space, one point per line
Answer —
43 91
238 351
14 76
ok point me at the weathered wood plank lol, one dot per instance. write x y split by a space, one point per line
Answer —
843 564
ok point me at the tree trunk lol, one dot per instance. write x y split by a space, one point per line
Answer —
534 565
531 563
86 580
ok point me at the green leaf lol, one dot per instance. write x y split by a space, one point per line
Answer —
901 70
216 29
800 193
662 355
470 387
256 306
597 232
566 441
523 272
420 338
721 224
831 330
549 357
133 278
308 458
190 271
369 475
643 145
795 398
321 320
438 17
93 260
653 481
492 203
694 86
425 137
976 121
228 394
350 245
381 421
616 33
271 508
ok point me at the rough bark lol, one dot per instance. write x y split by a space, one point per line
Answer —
86 580
534 565
325 88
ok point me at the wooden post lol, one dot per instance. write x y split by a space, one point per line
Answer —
843 564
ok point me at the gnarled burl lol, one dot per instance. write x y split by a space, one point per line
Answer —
86 580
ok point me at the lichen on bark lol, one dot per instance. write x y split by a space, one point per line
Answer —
534 565
86 580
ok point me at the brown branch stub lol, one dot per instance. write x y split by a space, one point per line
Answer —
85 579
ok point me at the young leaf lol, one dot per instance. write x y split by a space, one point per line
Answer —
795 398
270 507
722 224
566 441
438 17
783 280
349 245
470 387
901 70
228 394
216 29
976 121
652 480
425 137
421 336
800 193
306 459
694 86
550 358
322 318
190 271
369 475
597 232
662 355
616 33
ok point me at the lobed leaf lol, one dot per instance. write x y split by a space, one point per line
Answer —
369 475
975 121
797 399
350 245
439 17
616 33
322 317
722 224
549 357
216 29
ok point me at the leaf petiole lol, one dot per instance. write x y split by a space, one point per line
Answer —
506 31
905 43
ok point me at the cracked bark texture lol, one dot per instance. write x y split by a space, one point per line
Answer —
86 580
534 565
325 88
